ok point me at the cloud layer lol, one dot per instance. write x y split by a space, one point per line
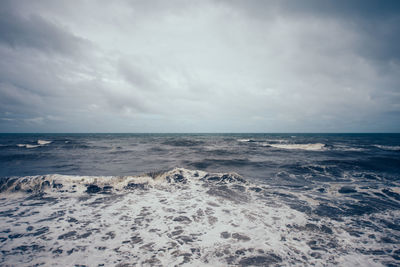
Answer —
200 66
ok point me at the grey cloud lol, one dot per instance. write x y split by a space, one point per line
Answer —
372 9
199 66
134 72
380 40
37 33
352 9
376 22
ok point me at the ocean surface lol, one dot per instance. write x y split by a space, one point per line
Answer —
200 199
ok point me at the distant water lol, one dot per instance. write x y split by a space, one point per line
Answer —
200 199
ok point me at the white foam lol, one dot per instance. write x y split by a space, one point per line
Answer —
44 142
244 140
39 143
355 260
388 147
77 184
268 140
277 140
310 147
197 221
348 148
28 145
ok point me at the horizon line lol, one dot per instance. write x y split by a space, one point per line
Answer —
199 132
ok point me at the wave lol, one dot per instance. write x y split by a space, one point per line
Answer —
348 148
309 147
176 217
82 184
28 145
39 144
183 142
285 144
269 140
388 147
248 140
43 142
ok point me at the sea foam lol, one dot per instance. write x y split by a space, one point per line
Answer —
39 144
311 147
43 142
28 145
388 147
178 217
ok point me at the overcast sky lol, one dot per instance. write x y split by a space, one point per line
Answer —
200 66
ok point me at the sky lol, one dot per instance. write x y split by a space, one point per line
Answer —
200 66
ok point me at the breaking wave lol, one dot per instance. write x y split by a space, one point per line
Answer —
285 144
28 145
247 140
43 142
95 184
388 147
39 144
184 217
310 147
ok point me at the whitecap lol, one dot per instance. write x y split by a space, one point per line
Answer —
277 140
27 145
387 147
166 218
310 147
43 142
347 148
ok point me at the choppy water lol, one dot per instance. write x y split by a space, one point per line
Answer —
234 200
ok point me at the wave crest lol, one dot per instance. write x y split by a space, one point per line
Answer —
310 147
388 147
112 184
39 144
28 145
43 142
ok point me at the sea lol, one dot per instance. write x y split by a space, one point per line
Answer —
200 199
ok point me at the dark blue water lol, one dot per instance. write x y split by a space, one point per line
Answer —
350 181
246 154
